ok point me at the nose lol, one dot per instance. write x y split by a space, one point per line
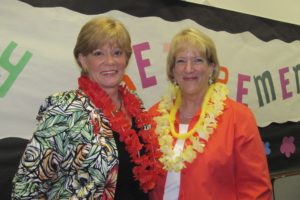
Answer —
189 66
109 59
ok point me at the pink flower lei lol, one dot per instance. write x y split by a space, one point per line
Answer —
147 167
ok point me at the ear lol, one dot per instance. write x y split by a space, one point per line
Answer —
82 60
212 68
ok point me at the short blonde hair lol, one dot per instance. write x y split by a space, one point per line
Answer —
99 31
199 41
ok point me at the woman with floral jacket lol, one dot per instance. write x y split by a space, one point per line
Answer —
92 142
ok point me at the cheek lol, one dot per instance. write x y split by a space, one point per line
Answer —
205 70
123 64
177 70
93 67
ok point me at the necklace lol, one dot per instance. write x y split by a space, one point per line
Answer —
120 107
175 108
147 168
212 107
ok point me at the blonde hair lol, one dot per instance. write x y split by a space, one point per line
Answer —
199 41
99 31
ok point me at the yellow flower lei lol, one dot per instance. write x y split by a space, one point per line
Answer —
212 107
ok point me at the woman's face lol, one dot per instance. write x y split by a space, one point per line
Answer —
192 71
105 65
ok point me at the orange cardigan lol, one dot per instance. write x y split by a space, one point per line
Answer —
233 165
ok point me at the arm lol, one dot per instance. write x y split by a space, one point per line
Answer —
252 174
39 164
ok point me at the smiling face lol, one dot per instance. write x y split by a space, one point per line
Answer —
191 71
105 65
199 51
102 52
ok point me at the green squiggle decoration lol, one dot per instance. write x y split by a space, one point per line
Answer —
8 71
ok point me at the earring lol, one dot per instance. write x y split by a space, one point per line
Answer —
210 80
174 82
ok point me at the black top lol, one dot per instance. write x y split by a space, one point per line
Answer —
127 188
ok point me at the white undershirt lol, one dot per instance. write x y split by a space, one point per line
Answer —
173 178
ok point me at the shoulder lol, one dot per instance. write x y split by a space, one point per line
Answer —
62 102
239 114
238 108
153 110
61 111
60 97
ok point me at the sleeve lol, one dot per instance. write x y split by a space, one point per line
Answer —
252 174
39 164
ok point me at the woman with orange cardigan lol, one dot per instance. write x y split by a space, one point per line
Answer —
210 145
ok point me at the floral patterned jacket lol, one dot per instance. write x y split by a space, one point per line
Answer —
65 159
